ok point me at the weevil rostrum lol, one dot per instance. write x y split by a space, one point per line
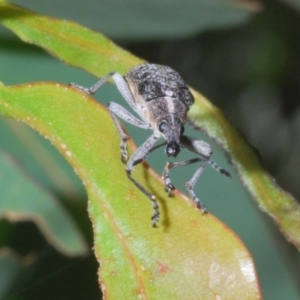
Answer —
161 98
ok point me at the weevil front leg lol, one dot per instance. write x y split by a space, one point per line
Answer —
204 152
137 157
169 187
118 110
190 187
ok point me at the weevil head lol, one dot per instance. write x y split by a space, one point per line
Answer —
171 128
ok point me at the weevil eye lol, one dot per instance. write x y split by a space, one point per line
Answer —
162 126
172 149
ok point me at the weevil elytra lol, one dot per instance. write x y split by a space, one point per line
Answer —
161 98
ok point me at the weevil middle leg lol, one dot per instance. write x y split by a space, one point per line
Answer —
118 110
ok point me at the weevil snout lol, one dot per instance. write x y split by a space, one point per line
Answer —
171 128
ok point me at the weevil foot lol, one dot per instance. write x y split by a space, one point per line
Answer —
169 188
200 205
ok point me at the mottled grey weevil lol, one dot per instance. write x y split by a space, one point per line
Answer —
161 99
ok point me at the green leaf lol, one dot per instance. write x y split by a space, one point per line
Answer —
135 258
91 51
157 19
22 199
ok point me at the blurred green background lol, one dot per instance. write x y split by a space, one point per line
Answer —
245 59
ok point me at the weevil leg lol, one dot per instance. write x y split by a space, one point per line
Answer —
137 157
124 137
190 187
93 89
169 187
125 115
118 110
204 151
120 83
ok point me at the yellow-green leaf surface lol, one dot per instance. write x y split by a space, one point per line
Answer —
91 51
190 256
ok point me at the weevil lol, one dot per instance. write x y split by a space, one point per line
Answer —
161 99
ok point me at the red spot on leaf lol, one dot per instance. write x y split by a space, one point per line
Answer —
163 268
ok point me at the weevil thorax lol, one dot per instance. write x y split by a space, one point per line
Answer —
162 99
